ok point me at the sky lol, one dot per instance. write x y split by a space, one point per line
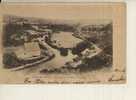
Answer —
65 12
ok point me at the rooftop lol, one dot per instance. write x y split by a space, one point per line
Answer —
29 50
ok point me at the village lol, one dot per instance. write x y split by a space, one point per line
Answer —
40 45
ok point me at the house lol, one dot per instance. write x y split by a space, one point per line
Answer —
35 27
29 51
37 33
89 53
86 52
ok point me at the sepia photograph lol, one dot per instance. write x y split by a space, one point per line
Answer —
63 43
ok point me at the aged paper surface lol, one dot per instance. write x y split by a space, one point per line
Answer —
61 1
63 43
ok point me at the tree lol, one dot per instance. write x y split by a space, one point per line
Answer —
79 48
63 51
10 60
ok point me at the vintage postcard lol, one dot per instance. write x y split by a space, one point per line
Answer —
63 43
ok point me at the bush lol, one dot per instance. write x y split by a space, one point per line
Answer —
63 51
10 29
10 60
79 48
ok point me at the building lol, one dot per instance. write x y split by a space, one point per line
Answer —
29 51
33 33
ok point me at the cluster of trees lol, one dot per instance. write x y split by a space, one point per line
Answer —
10 60
75 50
95 63
63 51
80 47
15 29
9 30
19 29
61 27
104 41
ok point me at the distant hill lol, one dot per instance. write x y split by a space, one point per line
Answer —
12 18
